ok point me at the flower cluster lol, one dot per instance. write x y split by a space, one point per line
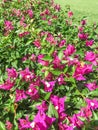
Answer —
48 68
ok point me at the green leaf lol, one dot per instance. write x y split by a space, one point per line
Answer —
52 111
56 72
95 116
60 55
47 58
47 96
2 126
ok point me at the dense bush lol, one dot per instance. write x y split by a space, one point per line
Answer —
48 68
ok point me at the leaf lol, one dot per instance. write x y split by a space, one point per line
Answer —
2 126
60 55
46 73
47 58
52 111
56 72
47 96
93 93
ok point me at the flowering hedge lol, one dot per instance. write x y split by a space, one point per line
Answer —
48 68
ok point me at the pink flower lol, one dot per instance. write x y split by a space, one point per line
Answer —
24 124
20 95
51 39
65 127
70 14
30 13
42 121
83 22
80 71
58 103
22 22
57 7
69 50
48 86
92 103
8 25
12 73
56 62
9 125
80 29
41 61
90 56
26 75
37 43
76 122
7 85
85 112
91 86
87 68
33 57
62 43
32 92
43 106
24 34
82 36
89 43
61 80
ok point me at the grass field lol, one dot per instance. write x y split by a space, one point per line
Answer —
81 8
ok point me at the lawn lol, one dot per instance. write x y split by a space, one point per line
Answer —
88 8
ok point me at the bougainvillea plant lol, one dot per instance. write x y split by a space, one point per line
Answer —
48 68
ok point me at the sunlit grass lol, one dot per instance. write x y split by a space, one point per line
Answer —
88 8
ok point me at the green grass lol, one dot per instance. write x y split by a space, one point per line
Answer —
88 8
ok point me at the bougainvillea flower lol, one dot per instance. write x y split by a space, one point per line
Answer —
7 85
83 22
62 43
43 106
26 75
82 36
69 50
20 95
79 74
8 25
89 42
85 112
12 73
91 86
24 124
56 62
81 29
57 7
37 43
87 68
42 121
30 13
65 127
24 34
49 86
62 116
9 125
61 80
58 103
90 56
33 57
76 122
51 39
43 62
92 103
32 92
80 71
70 14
